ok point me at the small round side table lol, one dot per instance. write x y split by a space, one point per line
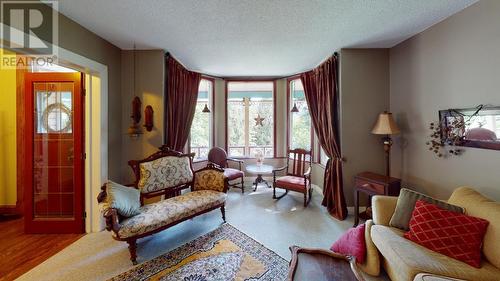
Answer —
260 170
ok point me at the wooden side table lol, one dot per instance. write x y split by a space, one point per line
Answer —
373 184
320 264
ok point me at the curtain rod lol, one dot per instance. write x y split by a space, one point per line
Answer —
335 54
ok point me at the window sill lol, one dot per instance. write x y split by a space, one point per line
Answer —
199 160
321 165
249 157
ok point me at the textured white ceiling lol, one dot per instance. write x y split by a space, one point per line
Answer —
257 37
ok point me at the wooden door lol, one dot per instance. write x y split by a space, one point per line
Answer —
54 196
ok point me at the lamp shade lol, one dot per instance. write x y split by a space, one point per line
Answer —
385 125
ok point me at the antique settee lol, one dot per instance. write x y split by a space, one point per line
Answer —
166 173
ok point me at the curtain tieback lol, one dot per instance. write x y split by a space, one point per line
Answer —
338 159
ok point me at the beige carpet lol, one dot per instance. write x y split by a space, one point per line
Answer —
275 224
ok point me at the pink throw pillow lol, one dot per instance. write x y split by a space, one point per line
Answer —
352 243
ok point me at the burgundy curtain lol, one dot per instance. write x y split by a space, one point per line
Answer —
181 95
320 88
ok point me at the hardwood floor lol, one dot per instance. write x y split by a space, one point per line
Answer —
21 252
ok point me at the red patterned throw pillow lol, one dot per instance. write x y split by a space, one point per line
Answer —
452 234
352 243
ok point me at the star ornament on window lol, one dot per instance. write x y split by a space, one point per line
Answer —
258 120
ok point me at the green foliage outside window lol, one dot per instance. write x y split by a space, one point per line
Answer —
301 127
200 133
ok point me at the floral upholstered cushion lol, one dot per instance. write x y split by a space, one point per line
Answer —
165 172
165 212
209 180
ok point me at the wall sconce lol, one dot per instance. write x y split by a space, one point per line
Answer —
134 130
148 118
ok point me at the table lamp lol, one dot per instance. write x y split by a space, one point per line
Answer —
386 126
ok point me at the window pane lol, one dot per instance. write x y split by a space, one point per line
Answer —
250 118
300 122
54 108
201 129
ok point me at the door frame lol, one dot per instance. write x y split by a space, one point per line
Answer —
96 133
78 120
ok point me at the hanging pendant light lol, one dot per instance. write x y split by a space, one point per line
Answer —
206 109
294 108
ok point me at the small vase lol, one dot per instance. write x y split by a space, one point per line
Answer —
260 158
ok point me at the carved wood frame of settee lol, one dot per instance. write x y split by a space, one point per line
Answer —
112 218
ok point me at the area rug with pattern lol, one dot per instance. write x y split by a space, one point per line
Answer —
223 254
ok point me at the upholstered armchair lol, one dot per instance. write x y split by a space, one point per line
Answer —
295 177
219 157
210 178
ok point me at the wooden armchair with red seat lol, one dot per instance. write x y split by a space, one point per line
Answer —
218 156
297 175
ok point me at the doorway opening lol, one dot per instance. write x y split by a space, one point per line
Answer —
12 167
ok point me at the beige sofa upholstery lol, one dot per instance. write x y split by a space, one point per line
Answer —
432 277
372 261
403 259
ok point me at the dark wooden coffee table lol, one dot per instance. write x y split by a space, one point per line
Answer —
320 264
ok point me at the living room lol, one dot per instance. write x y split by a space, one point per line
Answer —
363 112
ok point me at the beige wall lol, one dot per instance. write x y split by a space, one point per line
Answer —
220 112
280 118
149 87
364 93
79 40
453 64
317 175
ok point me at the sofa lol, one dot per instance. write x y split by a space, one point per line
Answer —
165 173
403 259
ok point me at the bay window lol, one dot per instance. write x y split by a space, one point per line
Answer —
299 127
201 135
250 118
